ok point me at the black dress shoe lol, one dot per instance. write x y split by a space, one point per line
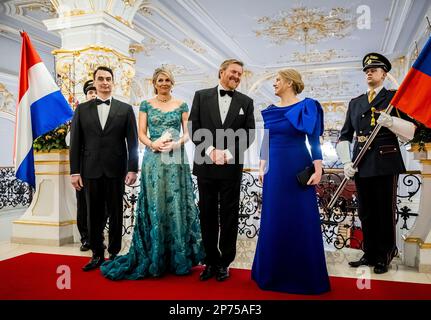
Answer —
208 273
85 246
222 273
94 263
380 268
112 256
361 262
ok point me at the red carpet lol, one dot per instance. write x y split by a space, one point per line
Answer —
34 276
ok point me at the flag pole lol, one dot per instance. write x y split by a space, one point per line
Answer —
363 150
357 160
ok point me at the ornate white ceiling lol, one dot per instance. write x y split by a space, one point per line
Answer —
325 40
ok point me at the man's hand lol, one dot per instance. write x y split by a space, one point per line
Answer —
349 171
76 181
218 156
131 178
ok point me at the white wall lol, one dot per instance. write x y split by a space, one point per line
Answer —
6 142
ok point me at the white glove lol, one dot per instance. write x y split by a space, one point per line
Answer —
67 139
385 120
343 152
349 171
404 129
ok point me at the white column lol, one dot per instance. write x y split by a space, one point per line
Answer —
417 243
99 33
50 218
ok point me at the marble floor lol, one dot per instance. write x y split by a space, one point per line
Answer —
336 259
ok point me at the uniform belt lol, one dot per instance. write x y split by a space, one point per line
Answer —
362 139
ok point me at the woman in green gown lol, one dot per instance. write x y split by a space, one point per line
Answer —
167 235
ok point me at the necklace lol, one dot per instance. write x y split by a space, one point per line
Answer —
164 100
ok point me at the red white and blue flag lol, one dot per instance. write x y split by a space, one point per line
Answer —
41 108
414 95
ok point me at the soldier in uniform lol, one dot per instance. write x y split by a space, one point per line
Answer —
377 174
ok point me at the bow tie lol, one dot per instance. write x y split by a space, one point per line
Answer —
107 101
226 92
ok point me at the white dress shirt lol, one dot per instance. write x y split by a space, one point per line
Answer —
376 90
103 111
223 104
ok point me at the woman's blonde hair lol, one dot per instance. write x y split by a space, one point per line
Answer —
293 76
165 72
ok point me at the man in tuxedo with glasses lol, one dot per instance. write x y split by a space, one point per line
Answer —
103 157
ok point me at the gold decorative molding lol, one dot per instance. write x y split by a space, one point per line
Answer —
7 101
46 6
129 3
145 10
414 147
63 151
316 56
335 114
136 48
192 44
247 73
425 245
127 23
53 173
52 162
151 44
413 240
47 223
306 25
74 67
330 84
75 13
398 68
95 48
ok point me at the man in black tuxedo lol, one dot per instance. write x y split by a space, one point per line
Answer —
103 156
222 126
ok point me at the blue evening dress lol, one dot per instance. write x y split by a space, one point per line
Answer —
290 255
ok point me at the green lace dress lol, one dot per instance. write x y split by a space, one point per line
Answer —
166 236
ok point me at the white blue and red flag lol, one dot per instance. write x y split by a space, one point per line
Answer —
414 95
41 108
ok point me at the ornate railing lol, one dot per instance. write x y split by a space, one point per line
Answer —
340 226
13 192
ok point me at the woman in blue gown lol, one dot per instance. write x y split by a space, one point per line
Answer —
167 235
289 255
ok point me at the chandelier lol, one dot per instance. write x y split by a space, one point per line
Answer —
306 25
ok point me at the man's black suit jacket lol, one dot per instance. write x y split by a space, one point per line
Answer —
205 114
112 151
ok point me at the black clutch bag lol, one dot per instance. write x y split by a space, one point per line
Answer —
305 175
